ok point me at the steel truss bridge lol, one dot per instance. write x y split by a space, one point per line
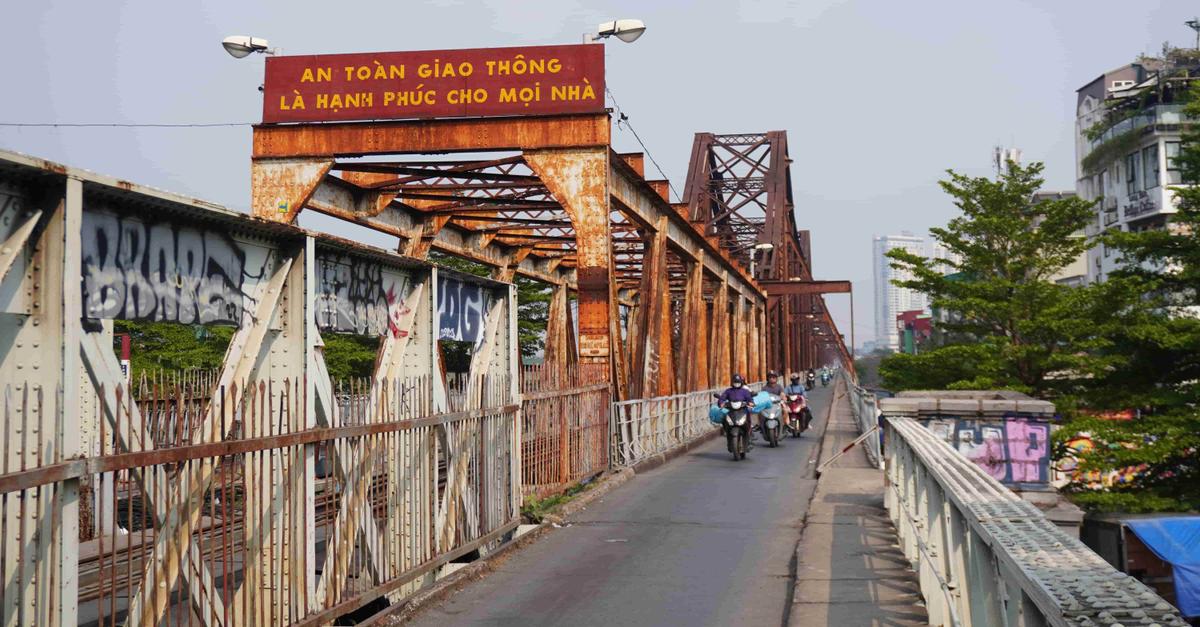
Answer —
269 495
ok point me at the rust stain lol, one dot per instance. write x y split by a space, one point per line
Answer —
53 167
280 188
478 134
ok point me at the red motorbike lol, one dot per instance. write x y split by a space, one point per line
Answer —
798 414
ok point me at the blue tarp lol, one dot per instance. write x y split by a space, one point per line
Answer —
1176 540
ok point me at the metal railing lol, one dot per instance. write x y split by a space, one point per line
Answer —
564 426
985 557
1168 114
642 428
216 512
866 415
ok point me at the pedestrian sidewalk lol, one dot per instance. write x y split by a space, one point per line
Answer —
849 569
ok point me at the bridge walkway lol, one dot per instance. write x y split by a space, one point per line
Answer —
700 540
849 568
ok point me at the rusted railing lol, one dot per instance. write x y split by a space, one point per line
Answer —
564 426
249 508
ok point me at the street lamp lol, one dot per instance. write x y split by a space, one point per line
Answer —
754 255
1194 24
626 30
241 46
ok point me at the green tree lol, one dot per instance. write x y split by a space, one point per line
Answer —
349 356
172 346
1155 344
1027 329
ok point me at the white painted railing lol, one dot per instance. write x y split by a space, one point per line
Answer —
986 558
866 415
642 428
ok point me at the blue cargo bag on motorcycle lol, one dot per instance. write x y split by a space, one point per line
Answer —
762 402
716 414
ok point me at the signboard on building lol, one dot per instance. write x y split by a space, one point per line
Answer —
534 80
1141 202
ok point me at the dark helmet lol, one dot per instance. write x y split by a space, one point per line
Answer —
738 380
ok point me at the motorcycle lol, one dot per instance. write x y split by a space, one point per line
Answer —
770 424
737 429
798 414
811 381
825 380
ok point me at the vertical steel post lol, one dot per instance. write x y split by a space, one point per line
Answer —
70 442
578 180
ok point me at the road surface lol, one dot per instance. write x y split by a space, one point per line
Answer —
701 540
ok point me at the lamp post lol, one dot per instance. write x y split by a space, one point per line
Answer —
1194 24
626 30
754 255
241 46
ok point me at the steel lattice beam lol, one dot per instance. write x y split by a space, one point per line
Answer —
739 189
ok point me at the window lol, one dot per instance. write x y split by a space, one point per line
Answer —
1104 183
1131 169
1150 167
1173 175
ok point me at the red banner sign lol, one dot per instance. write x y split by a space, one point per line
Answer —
534 80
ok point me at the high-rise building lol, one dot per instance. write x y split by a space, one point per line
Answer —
1128 129
890 299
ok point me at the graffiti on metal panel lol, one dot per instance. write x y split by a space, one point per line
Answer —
359 296
163 271
1012 449
462 309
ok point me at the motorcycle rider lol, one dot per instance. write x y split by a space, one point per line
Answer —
773 388
795 387
737 391
812 378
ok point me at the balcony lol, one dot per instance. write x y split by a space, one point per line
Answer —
1158 115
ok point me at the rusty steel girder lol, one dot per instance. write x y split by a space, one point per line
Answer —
739 193
543 197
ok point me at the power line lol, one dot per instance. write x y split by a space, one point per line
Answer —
117 125
623 122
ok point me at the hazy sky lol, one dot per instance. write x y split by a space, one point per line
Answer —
878 97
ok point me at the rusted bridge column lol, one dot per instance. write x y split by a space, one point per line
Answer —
651 354
693 371
719 367
578 180
560 354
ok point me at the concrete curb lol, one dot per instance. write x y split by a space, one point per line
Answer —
654 461
442 588
822 453
815 460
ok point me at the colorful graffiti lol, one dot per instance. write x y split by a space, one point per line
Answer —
1068 467
164 271
359 296
462 310
1014 449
